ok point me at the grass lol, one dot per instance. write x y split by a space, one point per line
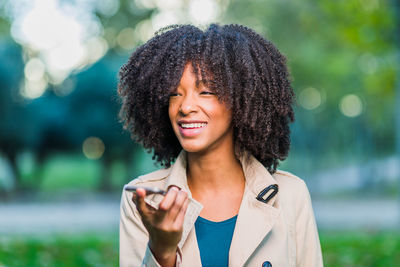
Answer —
348 249
74 172
60 173
365 249
61 251
63 172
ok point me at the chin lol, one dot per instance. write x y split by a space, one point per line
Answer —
193 148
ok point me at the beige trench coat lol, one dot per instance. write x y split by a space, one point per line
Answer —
282 231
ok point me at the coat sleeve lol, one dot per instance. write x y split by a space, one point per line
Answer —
133 237
308 248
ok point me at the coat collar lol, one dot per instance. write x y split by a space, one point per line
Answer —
177 176
255 218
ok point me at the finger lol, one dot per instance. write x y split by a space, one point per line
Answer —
181 215
141 192
134 197
169 199
140 203
176 207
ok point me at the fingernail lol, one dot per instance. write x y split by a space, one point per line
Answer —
174 188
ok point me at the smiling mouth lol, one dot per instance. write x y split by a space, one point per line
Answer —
192 125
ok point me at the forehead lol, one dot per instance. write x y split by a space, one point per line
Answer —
198 72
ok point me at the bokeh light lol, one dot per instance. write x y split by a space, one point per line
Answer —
203 11
351 105
107 7
310 98
64 35
65 56
144 30
34 70
369 5
45 27
126 38
146 4
165 18
368 63
93 148
34 88
96 48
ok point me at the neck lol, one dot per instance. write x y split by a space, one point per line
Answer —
214 171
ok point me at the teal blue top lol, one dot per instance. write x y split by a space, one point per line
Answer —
214 240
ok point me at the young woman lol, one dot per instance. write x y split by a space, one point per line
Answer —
214 107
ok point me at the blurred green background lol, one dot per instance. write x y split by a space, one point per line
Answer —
64 156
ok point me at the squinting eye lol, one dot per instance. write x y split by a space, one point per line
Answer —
207 93
173 94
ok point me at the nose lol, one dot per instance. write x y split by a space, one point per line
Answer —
188 105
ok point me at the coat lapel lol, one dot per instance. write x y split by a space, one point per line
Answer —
178 178
255 219
190 249
191 215
188 243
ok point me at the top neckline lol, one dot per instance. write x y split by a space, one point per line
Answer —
230 220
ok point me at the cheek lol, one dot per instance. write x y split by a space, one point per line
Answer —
222 114
171 108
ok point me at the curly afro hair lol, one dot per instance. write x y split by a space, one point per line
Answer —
246 72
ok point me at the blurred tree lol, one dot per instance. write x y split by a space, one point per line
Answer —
4 27
12 129
60 121
338 49
66 119
93 111
85 105
126 14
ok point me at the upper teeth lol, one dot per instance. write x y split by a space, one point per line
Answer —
193 125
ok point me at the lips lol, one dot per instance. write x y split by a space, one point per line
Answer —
191 128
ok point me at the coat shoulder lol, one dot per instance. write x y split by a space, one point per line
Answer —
287 179
293 194
152 177
291 187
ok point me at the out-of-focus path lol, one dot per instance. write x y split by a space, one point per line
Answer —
356 214
98 216
42 218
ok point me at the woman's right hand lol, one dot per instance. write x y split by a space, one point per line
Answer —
164 224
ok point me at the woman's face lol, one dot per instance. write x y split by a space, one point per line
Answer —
200 121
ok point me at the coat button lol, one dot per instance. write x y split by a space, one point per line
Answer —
266 264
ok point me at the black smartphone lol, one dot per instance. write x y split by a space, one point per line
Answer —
149 190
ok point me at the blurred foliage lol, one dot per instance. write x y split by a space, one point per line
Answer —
127 15
71 173
72 250
339 48
84 105
350 249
